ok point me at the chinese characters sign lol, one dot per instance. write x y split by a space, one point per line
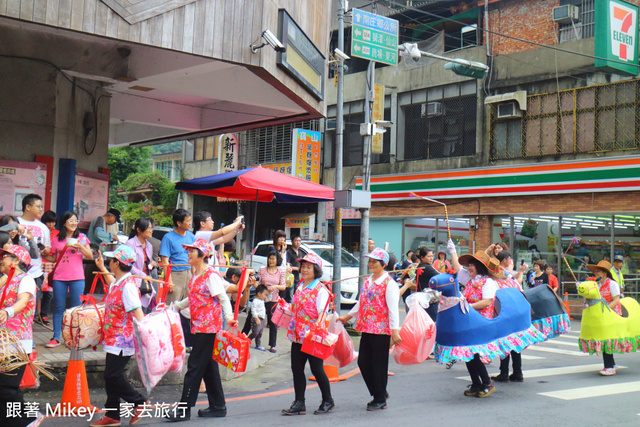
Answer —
297 222
284 168
17 179
228 159
306 154
374 37
616 37
376 115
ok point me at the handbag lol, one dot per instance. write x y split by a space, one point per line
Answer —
319 342
58 259
31 376
281 314
82 326
231 349
289 279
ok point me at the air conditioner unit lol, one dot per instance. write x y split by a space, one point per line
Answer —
432 109
566 14
469 36
508 109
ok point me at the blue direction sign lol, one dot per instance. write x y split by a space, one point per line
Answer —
374 37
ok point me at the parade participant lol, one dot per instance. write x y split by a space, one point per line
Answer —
379 322
610 291
72 246
206 297
616 271
122 305
274 279
441 264
308 304
97 232
144 263
17 306
427 272
480 290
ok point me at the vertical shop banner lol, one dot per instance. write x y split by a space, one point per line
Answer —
228 158
376 115
17 179
91 197
306 154
616 37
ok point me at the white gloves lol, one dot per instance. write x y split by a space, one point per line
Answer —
451 247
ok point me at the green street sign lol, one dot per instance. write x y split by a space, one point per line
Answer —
374 37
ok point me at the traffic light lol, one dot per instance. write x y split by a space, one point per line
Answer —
478 71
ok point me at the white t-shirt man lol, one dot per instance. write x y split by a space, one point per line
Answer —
42 236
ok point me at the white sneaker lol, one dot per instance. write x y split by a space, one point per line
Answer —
608 372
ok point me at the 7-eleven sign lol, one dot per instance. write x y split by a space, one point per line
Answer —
616 28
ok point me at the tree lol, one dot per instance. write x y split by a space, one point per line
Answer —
125 161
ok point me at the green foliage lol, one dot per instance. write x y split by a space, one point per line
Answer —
164 192
125 161
146 209
169 147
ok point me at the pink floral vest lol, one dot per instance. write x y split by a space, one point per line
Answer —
508 283
118 324
473 294
206 312
605 292
373 315
304 310
20 324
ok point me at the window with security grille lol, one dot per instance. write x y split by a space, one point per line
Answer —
438 122
165 168
584 27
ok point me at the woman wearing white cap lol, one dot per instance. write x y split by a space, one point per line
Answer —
17 306
379 322
207 300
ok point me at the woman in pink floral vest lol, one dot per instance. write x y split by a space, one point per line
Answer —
309 302
17 306
377 318
207 301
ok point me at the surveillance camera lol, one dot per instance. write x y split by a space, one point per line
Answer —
411 50
384 123
340 54
273 41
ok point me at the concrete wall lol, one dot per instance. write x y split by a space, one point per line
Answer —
48 119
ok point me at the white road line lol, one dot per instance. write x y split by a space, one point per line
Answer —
548 372
572 332
528 357
594 391
557 350
573 344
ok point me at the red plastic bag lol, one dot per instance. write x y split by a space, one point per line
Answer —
30 378
319 343
343 352
232 350
418 334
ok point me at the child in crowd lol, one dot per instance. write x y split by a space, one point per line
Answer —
259 313
553 280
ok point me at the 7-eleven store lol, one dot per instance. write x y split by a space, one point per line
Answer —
536 209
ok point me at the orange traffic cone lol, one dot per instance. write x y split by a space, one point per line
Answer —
566 304
332 373
76 391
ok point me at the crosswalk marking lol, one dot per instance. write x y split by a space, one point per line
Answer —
556 350
594 391
565 370
529 357
573 344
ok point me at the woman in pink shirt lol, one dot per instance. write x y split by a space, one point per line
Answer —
273 278
69 275
144 264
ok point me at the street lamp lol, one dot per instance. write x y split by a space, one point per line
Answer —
461 67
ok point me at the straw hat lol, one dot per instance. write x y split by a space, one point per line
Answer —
480 256
603 266
495 270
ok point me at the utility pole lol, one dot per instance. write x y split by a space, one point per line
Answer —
337 238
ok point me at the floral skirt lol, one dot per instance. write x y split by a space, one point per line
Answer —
553 326
501 347
617 345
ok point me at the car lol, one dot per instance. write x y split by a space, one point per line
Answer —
349 270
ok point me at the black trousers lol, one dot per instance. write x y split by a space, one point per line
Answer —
118 387
608 360
373 361
10 392
478 372
298 361
247 323
202 367
273 328
186 330
517 364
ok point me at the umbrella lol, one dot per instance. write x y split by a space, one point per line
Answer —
259 184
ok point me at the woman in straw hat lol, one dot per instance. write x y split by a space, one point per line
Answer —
610 291
17 306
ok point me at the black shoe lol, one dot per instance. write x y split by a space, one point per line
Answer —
487 390
325 407
44 321
179 413
502 378
376 406
518 378
213 412
472 390
297 408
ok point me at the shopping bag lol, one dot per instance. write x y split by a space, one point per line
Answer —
47 267
343 352
281 314
319 342
153 343
177 342
82 326
31 377
231 349
418 332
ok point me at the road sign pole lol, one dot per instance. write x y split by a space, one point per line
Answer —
337 237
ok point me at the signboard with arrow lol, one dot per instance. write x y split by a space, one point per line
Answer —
374 37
